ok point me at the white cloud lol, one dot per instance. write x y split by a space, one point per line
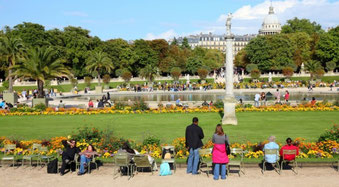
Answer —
76 14
251 17
165 35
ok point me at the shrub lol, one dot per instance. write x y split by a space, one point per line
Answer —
219 104
106 79
319 73
330 66
5 84
88 134
251 67
288 72
330 134
40 107
140 105
119 106
88 81
126 75
175 73
151 140
255 74
74 82
202 72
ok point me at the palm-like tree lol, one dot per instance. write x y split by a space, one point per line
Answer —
11 51
41 64
99 62
148 72
312 67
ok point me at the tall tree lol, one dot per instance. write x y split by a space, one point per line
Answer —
41 64
32 34
11 51
301 42
301 25
327 49
258 52
99 63
185 44
145 55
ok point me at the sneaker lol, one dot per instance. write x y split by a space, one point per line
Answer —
80 173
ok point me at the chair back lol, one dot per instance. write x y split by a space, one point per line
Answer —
121 159
141 161
169 149
36 146
43 149
10 147
289 152
203 152
238 151
271 151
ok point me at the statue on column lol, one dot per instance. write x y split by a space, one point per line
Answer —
228 24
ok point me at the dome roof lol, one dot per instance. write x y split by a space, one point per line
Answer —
271 18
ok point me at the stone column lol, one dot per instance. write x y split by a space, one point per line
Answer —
229 100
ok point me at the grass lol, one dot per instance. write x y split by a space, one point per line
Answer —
253 126
82 86
324 79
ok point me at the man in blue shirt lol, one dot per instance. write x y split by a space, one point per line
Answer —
2 104
271 145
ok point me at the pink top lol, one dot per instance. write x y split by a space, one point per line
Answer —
219 155
287 96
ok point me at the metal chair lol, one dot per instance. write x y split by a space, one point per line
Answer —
293 162
35 147
171 150
141 161
93 161
9 148
271 152
44 158
122 160
204 162
237 163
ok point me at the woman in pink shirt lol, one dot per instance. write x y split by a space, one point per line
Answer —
85 157
219 155
287 96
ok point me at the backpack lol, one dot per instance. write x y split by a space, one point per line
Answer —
52 166
165 169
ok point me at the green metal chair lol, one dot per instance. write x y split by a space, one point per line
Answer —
9 148
204 163
171 150
271 152
35 147
93 161
122 160
141 161
237 163
45 158
293 162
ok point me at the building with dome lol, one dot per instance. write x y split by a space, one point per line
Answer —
271 24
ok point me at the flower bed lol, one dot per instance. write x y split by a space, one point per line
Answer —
128 110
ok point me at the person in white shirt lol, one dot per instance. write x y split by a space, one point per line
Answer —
256 99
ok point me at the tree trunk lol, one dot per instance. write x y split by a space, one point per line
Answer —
10 81
40 89
99 82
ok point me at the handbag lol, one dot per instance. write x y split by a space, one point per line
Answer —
228 149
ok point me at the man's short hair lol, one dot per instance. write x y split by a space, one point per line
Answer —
288 140
195 120
271 138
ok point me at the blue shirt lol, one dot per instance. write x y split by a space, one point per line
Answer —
2 104
271 158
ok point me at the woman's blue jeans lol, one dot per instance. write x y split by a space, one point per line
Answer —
83 160
217 171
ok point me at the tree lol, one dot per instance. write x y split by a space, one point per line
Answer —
301 25
106 79
88 81
302 49
11 51
327 49
330 66
312 67
99 62
148 72
175 73
258 52
174 42
214 59
241 59
193 64
41 64
126 75
255 73
281 52
288 72
185 44
145 55
203 72
251 67
32 34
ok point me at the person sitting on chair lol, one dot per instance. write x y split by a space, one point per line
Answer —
85 157
288 146
271 145
68 155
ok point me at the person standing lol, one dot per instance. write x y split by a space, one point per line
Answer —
287 96
277 97
219 154
256 99
193 135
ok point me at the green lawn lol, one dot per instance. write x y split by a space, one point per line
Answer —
324 79
253 126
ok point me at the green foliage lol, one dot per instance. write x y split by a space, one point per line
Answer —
312 67
330 66
119 105
74 82
175 73
140 105
255 73
193 64
126 75
99 62
88 81
40 107
185 44
203 72
251 67
330 134
301 25
288 72
5 84
319 73
87 133
106 79
327 49
151 140
219 104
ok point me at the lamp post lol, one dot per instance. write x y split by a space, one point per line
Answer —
229 100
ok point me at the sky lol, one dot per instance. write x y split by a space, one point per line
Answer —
153 19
